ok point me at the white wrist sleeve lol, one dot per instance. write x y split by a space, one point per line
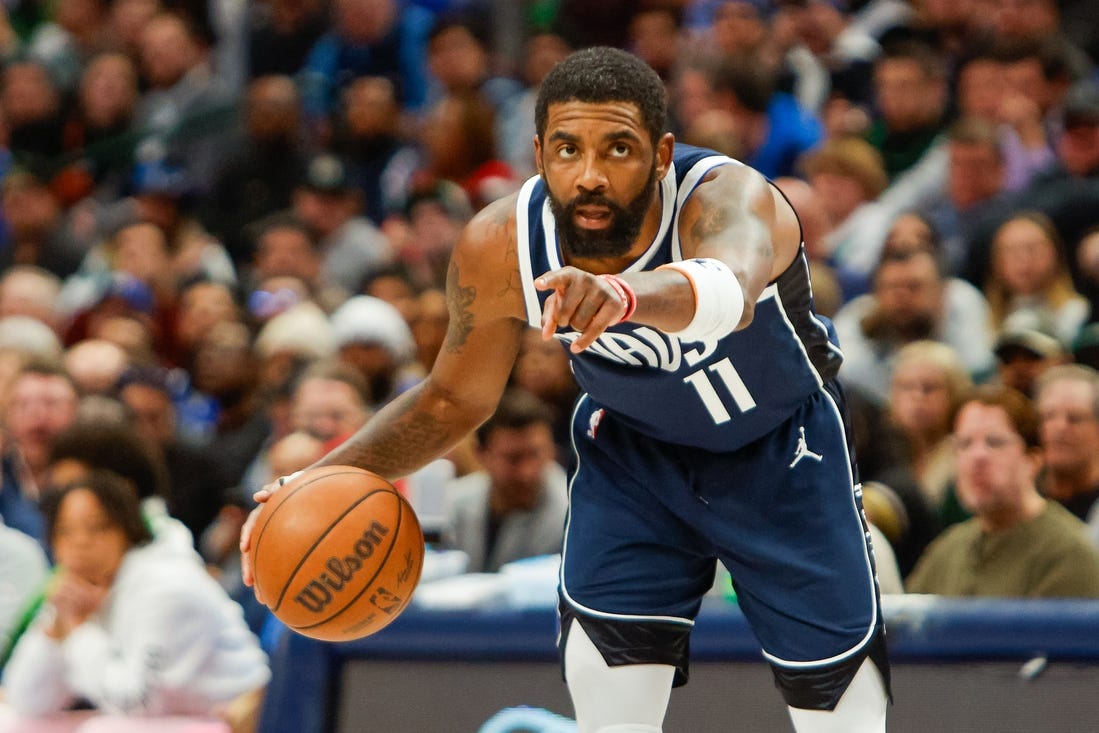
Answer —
719 299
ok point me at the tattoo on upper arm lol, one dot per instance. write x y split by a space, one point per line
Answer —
713 220
459 299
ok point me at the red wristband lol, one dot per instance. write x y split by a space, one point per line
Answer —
629 297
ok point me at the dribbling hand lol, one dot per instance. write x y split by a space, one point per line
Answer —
260 497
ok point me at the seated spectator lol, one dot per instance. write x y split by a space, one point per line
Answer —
974 186
368 134
41 404
169 642
912 299
1029 279
112 445
23 572
372 336
911 95
30 291
459 139
258 179
775 130
1023 355
542 369
330 204
927 385
515 507
194 484
1067 399
1017 544
95 365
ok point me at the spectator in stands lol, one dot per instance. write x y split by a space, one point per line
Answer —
36 231
169 642
984 93
1029 280
515 507
459 139
284 247
186 107
98 127
927 386
330 204
41 404
1068 192
30 291
166 194
368 135
911 96
33 112
95 365
542 369
331 401
459 57
226 369
848 177
259 178
195 486
1067 399
281 35
774 130
435 213
516 129
912 298
832 58
372 337
1018 544
654 36
367 38
24 569
975 184
108 443
1023 355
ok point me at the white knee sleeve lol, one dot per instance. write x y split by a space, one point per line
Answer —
860 710
627 699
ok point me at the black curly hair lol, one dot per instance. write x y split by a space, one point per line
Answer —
605 74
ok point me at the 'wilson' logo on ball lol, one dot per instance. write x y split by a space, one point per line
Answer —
317 593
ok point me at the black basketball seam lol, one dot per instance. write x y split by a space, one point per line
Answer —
320 538
255 551
296 489
369 583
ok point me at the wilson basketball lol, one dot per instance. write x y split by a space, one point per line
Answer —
336 553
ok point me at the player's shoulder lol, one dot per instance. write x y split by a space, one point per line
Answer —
492 228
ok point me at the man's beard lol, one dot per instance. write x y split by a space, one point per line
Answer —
615 241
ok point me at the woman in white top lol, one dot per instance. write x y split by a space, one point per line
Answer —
131 629
1029 283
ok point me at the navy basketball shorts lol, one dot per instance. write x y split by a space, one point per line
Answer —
648 518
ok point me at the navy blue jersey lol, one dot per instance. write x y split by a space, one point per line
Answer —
717 395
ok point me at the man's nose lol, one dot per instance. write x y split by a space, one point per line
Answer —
592 179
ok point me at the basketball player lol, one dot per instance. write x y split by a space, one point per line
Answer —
710 426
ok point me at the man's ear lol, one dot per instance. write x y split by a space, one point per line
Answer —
538 156
665 146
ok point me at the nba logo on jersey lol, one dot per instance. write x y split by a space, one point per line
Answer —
593 422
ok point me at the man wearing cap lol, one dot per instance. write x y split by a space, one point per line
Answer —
330 204
1023 355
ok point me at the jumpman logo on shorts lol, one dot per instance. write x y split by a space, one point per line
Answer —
802 451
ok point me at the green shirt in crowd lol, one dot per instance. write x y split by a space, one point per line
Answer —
1044 557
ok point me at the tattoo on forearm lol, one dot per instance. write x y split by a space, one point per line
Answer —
459 299
399 447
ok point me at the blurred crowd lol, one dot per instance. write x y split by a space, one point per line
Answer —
225 229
